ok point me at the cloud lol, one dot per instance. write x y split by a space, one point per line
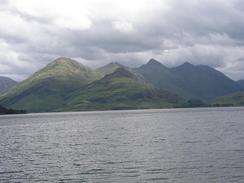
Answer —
96 32
64 14
123 27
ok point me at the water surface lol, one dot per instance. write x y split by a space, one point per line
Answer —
175 145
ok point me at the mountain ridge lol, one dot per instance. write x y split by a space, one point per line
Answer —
65 84
121 89
109 68
190 81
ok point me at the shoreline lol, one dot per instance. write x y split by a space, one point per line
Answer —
126 111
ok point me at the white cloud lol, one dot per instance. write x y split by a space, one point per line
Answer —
11 64
69 14
79 14
123 27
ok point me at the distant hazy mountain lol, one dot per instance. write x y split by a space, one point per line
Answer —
190 81
234 99
109 68
6 84
160 76
121 89
241 83
45 90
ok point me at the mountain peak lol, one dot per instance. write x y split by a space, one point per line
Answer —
63 64
185 65
122 72
114 64
49 85
153 62
64 61
110 68
188 64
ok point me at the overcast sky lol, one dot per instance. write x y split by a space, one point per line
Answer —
95 32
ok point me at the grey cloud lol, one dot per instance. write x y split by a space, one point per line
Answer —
201 32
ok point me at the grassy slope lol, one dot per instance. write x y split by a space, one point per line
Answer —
119 90
46 89
235 99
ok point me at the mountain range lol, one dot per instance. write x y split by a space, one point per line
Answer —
121 89
189 81
6 84
67 85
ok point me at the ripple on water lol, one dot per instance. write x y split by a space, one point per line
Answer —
183 145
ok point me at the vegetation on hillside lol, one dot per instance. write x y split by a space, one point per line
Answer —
46 89
67 85
234 99
120 90
4 110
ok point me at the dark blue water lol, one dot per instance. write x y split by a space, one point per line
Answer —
178 145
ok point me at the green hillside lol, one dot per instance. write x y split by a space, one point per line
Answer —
120 90
66 85
234 99
45 90
4 110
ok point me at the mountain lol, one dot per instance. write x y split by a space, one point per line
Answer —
121 89
6 84
160 76
66 85
190 81
204 82
241 83
234 99
109 68
45 90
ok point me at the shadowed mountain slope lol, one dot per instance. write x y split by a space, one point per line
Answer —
6 83
190 81
121 89
241 83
